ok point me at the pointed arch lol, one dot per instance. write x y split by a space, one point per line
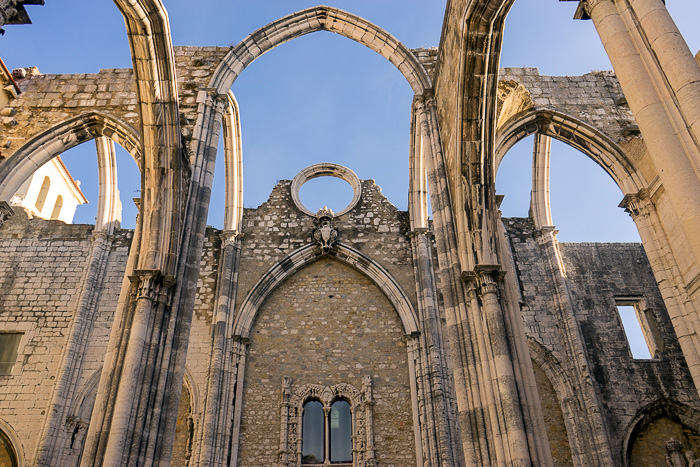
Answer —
676 411
308 254
320 18
12 443
60 138
577 134
569 402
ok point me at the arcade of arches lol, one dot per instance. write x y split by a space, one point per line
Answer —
461 339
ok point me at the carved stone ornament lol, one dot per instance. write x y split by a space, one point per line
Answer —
325 234
292 409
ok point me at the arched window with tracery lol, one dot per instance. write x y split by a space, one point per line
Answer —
43 193
327 424
312 433
340 432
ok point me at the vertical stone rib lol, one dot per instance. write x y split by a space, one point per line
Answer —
218 411
591 423
53 437
539 201
474 441
439 422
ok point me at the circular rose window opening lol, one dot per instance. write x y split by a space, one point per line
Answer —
326 184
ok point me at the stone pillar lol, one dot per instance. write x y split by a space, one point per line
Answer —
490 412
499 382
438 430
54 439
240 352
141 336
682 311
540 209
223 369
660 80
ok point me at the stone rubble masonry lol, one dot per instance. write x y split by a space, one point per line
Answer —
41 297
327 324
598 274
46 100
327 310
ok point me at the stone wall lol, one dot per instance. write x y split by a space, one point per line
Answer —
41 269
327 324
47 100
598 276
595 98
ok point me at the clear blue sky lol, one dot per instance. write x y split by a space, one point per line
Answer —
325 98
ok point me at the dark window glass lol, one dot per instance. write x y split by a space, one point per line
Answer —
341 432
9 343
312 433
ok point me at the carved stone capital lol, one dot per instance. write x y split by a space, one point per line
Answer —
5 211
152 284
635 204
99 236
585 7
229 237
419 236
484 279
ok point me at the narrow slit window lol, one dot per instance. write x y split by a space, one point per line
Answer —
633 330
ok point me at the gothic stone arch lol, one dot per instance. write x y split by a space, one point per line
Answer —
60 138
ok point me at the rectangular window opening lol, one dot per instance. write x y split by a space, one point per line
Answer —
9 344
638 330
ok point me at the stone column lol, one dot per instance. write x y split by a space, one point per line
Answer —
218 412
682 311
539 201
240 352
53 437
680 71
660 81
439 430
499 382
